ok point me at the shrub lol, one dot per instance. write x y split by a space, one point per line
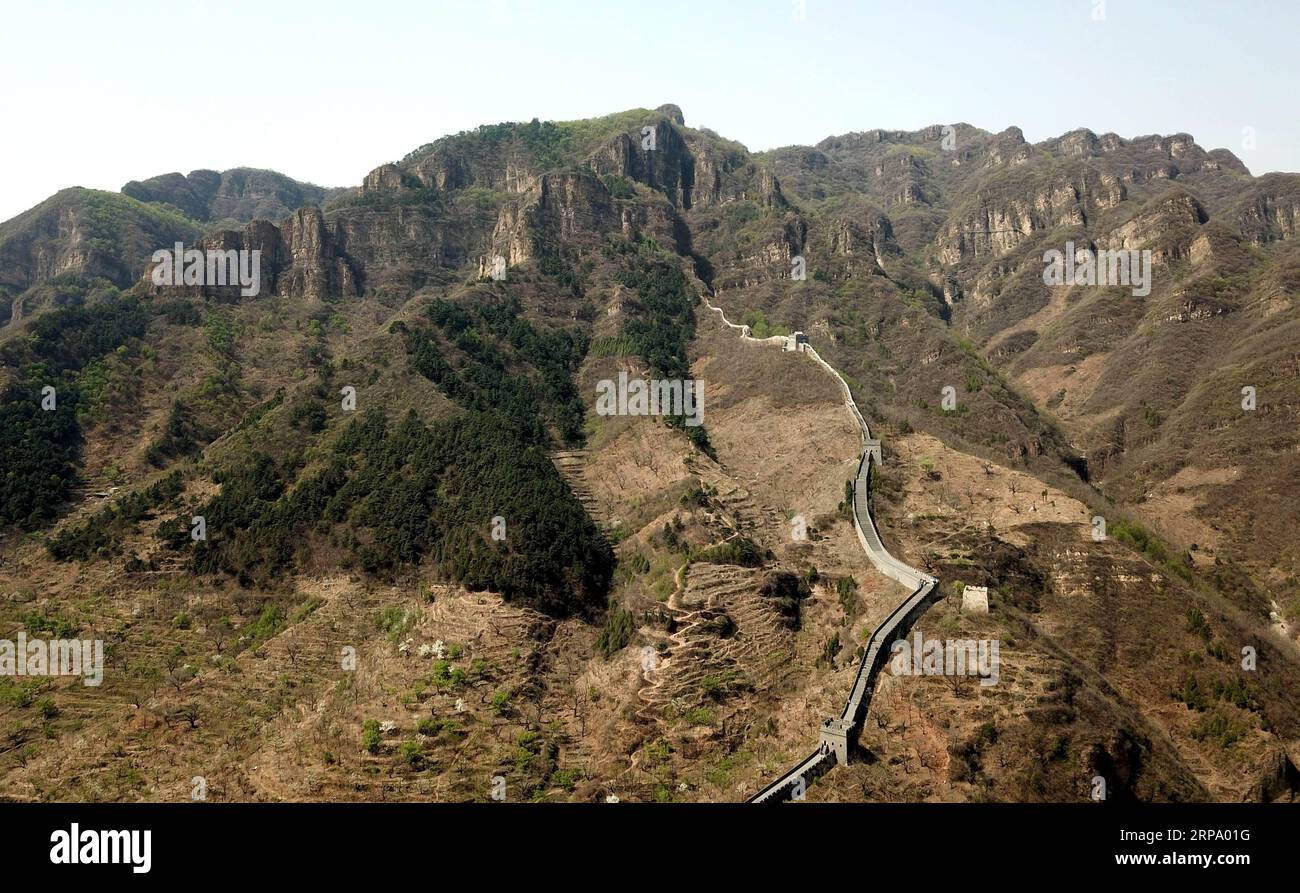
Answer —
371 736
847 590
413 753
742 551
500 701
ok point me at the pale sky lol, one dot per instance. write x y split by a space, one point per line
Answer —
99 93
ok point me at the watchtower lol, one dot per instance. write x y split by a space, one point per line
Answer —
975 600
835 737
873 447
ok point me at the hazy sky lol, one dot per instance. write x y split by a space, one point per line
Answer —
101 92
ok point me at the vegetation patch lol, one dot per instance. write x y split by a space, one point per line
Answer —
404 493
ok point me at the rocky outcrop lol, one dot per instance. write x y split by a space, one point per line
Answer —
772 255
673 113
1168 226
1005 213
317 268
1270 211
1007 148
563 210
657 157
385 178
859 239
695 170
1145 157
722 179
300 257
236 196
492 158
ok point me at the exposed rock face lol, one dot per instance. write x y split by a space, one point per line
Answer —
862 238
659 158
1147 153
1167 226
566 207
722 178
316 267
300 257
563 209
1271 210
405 245
440 196
694 171
1079 143
999 218
449 168
385 178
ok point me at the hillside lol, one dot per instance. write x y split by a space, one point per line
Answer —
428 557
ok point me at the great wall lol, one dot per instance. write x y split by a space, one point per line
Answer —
839 734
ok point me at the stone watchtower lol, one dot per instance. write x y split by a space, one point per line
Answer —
872 446
975 600
836 735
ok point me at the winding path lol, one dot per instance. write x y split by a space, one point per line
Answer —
839 734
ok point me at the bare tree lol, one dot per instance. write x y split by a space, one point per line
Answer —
178 677
178 672
221 630
174 658
148 676
115 653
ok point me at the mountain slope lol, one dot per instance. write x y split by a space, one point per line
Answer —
86 233
647 624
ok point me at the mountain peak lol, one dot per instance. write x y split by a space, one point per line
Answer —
673 111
